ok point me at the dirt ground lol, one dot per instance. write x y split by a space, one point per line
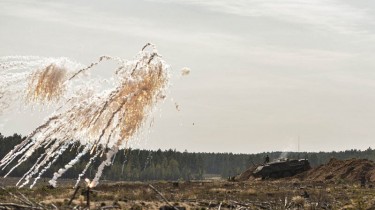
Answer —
255 194
335 185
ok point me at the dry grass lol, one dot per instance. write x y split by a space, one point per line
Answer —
249 192
218 190
197 195
298 200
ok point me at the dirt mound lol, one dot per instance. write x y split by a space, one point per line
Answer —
246 175
350 170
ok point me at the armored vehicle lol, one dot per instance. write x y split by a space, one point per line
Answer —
281 168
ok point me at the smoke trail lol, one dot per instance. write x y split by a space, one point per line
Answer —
61 171
107 162
99 120
86 167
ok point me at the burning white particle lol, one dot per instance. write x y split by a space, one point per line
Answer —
185 71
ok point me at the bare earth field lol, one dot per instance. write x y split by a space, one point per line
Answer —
216 194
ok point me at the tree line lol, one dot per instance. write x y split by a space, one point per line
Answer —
144 165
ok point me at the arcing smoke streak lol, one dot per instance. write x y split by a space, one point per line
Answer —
61 171
101 122
107 162
84 170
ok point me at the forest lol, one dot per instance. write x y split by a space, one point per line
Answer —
145 165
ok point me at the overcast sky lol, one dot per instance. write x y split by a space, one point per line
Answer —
263 72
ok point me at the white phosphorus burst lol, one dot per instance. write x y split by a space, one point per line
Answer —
100 121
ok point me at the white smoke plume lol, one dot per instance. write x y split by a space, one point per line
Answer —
101 121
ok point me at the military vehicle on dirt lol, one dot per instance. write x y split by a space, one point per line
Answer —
280 168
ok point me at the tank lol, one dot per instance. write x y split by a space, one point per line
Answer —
282 168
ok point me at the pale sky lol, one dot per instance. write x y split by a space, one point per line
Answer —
263 72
